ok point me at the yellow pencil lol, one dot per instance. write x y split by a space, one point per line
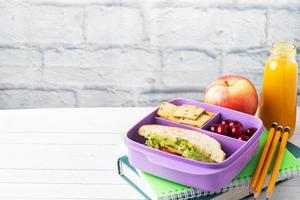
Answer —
272 182
263 157
269 158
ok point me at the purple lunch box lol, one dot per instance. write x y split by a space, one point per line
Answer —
206 176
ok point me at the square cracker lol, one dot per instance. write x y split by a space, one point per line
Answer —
188 112
211 114
204 118
199 122
190 122
166 111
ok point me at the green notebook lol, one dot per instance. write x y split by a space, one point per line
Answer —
290 167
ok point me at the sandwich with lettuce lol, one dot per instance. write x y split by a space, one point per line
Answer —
182 142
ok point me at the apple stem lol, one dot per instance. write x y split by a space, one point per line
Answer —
226 83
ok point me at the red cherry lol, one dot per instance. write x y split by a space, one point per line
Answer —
214 127
228 129
222 129
232 123
226 121
243 137
236 131
250 131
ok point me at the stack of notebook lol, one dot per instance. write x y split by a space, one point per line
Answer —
152 187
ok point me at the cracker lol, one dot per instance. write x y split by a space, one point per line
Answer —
209 113
190 122
203 119
188 112
166 111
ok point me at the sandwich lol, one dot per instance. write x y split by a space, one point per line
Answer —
186 143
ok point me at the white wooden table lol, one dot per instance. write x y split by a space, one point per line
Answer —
71 154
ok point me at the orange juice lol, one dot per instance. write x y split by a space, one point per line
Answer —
279 91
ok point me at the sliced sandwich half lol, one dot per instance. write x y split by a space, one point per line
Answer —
187 143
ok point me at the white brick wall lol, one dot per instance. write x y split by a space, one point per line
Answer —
209 28
20 98
103 58
94 98
66 53
20 57
67 77
284 25
41 24
114 25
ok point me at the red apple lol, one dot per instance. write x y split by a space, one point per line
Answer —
234 92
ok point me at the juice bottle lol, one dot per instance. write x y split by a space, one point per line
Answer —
279 91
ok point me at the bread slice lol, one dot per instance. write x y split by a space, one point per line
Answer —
203 143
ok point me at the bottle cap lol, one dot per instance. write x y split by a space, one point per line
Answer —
283 49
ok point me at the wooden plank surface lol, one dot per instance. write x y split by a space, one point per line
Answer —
64 153
71 154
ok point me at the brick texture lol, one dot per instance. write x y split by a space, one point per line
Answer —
77 77
106 97
36 98
103 58
249 64
190 69
87 53
20 57
210 28
20 75
115 25
42 24
284 25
